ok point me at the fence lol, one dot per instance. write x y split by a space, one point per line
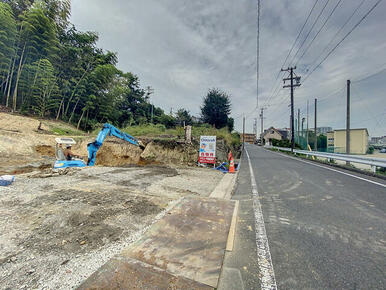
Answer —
373 162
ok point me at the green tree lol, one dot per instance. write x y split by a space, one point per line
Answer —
8 33
57 10
38 40
231 124
183 117
216 108
44 88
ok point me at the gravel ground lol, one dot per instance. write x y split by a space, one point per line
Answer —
56 231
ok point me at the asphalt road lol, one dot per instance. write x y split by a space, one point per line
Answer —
325 230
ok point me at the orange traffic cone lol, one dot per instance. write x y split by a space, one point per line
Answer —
231 165
230 155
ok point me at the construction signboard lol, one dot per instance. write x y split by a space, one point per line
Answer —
207 152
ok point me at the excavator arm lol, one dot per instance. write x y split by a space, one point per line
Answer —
108 130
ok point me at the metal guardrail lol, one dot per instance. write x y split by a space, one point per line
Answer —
373 162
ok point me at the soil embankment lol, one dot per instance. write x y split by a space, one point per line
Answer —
24 148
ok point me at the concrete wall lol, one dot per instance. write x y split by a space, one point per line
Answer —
358 141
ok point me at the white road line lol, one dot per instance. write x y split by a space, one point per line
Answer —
332 169
264 260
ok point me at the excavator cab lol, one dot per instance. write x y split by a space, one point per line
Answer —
61 161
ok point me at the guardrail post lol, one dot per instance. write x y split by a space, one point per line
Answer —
374 169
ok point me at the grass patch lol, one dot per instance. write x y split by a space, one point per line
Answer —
66 132
381 171
149 130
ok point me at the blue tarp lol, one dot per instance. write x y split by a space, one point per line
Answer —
223 167
6 180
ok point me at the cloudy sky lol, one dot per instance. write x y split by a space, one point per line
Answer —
182 48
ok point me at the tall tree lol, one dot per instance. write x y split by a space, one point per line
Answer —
183 117
58 10
216 108
8 33
44 89
38 40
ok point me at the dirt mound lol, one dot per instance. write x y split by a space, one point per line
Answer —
20 137
114 152
45 150
169 152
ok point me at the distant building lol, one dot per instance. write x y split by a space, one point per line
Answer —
249 138
323 130
378 140
359 141
273 133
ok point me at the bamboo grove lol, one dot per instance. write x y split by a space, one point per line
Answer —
50 69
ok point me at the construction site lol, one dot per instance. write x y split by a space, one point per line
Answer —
145 215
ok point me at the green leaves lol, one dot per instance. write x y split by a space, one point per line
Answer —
216 108
8 33
43 92
49 68
38 34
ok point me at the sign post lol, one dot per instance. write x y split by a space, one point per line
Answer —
207 152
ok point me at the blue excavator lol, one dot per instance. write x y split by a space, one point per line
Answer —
92 148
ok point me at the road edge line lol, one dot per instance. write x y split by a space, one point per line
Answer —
264 259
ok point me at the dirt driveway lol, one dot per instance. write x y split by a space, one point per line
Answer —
57 231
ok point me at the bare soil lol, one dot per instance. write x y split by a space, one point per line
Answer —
58 230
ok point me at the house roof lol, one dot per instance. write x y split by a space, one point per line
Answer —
283 133
356 129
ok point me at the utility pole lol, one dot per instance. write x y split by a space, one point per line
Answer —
316 135
348 120
243 132
298 126
262 123
292 86
303 119
255 128
290 126
152 112
307 126
149 92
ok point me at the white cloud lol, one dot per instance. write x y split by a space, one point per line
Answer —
183 47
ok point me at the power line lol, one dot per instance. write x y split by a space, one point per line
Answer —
289 53
367 108
320 29
370 76
278 87
338 32
300 32
347 34
312 27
